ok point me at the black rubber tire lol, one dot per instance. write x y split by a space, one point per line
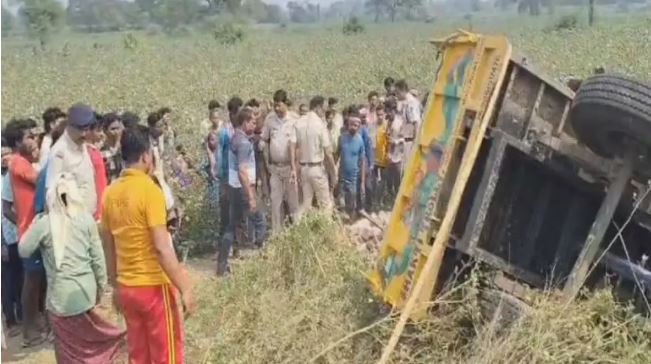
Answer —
609 111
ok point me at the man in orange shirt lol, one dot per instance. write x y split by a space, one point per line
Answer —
141 262
21 138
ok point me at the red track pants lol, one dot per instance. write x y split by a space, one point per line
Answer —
154 331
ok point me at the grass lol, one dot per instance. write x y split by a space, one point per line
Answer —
304 300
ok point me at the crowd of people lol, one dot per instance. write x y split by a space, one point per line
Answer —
91 203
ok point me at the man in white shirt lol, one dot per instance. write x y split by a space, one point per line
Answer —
53 121
70 154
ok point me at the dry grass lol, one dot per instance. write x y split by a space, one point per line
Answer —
304 299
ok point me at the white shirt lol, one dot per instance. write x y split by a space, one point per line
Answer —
67 156
9 231
396 140
411 114
44 152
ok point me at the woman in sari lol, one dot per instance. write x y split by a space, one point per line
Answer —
76 275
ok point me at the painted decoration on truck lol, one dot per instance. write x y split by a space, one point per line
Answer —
414 212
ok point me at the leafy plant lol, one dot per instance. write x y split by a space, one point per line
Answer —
567 22
229 34
130 41
43 17
353 26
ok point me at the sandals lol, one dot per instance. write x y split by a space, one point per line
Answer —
34 342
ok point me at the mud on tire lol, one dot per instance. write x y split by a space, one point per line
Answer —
610 110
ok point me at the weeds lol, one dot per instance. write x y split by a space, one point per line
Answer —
305 300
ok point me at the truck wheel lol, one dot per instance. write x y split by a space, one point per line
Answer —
610 111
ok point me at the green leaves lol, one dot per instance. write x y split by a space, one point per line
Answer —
43 17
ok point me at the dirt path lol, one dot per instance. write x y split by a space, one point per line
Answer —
200 269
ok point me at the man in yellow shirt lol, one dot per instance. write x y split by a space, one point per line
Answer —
381 154
140 259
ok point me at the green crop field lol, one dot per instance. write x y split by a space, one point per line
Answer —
186 72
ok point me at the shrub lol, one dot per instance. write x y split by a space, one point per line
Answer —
567 22
229 34
129 41
353 26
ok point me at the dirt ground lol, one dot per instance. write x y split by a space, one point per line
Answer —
199 269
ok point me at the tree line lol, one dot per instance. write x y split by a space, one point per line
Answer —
41 18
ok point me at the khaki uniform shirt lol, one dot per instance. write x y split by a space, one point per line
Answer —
312 138
279 134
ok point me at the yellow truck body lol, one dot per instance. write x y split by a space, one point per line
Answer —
470 68
501 176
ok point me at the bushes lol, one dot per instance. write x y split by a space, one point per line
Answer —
353 26
567 22
130 41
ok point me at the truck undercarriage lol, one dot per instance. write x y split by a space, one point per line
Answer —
547 186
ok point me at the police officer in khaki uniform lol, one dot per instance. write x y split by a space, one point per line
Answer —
314 154
278 134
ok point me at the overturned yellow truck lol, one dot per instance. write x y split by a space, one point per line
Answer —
515 171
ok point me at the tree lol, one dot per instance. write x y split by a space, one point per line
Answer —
392 7
7 21
233 6
274 13
42 17
533 6
590 12
336 10
254 9
503 4
299 13
148 6
214 6
375 7
99 15
409 8
174 14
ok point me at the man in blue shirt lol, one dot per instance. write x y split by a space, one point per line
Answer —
12 269
352 165
241 180
224 134
364 200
